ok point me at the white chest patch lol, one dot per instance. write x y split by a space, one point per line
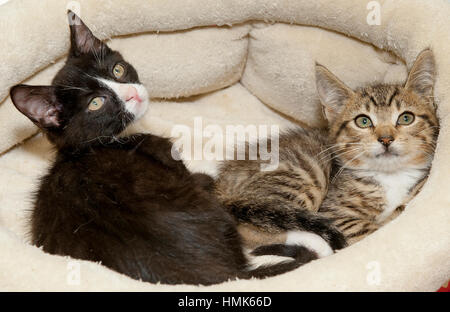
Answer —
396 187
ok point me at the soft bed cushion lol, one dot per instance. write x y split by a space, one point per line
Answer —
230 62
281 59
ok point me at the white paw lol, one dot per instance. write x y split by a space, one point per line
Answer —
311 241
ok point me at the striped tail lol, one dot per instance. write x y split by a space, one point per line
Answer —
288 219
300 254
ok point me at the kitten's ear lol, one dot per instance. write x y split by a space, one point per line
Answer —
82 40
422 74
38 103
332 92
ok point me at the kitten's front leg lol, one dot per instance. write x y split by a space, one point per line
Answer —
415 190
370 227
159 149
412 193
205 181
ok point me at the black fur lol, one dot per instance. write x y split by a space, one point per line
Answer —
124 202
297 252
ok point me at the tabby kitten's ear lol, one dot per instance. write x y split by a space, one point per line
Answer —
422 74
38 103
333 93
82 39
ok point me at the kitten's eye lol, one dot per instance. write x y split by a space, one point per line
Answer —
405 119
96 103
118 71
363 121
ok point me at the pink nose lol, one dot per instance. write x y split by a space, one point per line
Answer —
132 94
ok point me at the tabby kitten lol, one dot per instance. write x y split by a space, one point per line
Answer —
124 202
383 139
380 146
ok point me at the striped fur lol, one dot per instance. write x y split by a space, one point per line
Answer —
269 204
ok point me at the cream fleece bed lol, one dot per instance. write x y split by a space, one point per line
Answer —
230 62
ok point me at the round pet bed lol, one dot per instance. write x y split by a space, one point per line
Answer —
231 62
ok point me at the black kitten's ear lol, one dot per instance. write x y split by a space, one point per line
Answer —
82 40
37 103
333 93
422 74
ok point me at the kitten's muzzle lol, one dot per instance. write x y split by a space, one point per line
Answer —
386 140
132 94
387 149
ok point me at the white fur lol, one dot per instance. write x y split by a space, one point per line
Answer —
257 261
311 241
132 106
396 186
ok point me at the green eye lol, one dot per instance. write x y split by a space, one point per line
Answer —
405 119
118 71
363 121
96 103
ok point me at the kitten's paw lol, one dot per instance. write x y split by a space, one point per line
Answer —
336 239
311 241
204 181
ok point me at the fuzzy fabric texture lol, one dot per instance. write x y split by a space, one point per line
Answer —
262 52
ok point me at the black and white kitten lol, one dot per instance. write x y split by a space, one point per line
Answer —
125 202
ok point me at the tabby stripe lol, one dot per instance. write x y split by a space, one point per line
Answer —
349 226
389 102
359 233
310 197
287 174
418 182
342 127
364 181
373 100
346 221
310 170
298 191
356 209
423 138
283 180
318 172
296 184
285 195
427 119
367 206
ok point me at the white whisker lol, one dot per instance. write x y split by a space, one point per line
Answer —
345 165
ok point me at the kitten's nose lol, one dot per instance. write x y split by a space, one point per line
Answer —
132 94
386 140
